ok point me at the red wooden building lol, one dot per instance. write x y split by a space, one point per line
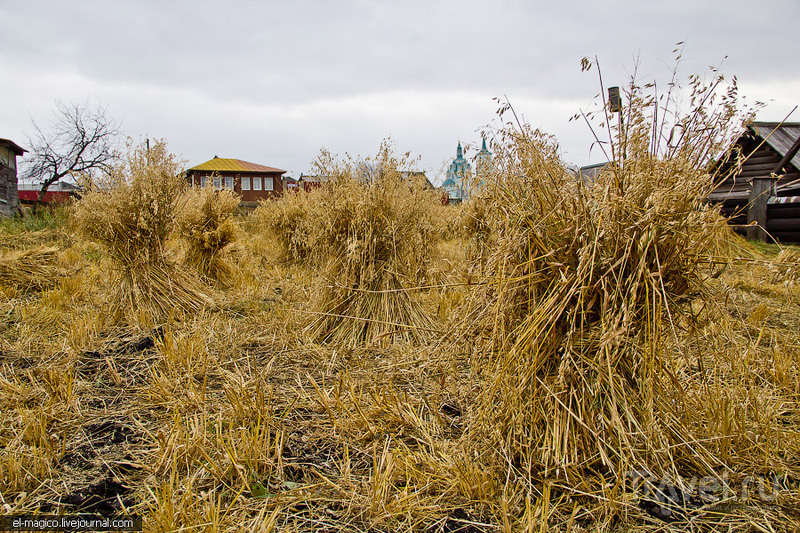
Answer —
58 193
252 181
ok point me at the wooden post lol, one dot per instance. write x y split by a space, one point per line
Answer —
757 211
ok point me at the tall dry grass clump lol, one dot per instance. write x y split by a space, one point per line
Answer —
131 214
586 285
205 222
373 236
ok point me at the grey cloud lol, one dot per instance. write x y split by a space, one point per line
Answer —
183 67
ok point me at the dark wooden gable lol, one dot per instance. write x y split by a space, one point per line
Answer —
757 154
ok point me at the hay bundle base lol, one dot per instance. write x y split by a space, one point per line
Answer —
160 290
378 307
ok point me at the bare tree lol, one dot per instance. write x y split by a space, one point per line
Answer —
81 139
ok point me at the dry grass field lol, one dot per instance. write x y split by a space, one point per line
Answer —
234 418
552 356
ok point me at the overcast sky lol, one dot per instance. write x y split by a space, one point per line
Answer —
273 82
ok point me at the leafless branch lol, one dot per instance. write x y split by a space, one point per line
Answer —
81 139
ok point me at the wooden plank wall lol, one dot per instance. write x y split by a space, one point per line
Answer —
783 220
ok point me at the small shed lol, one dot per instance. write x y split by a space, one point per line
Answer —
308 182
252 181
588 174
9 199
764 188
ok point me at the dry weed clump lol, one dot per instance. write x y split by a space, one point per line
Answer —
374 233
131 215
585 285
205 221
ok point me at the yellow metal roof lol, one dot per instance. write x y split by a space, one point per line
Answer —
219 164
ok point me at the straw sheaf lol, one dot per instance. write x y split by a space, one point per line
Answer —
205 221
585 285
131 215
374 237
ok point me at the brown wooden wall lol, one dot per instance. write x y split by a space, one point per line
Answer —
783 221
8 190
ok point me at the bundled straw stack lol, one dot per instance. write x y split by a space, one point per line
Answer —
205 221
586 285
373 236
131 215
291 220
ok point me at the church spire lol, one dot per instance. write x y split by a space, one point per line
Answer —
459 152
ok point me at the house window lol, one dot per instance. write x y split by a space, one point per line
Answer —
268 185
229 183
256 184
217 182
245 184
204 181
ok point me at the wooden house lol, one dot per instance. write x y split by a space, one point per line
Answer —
252 181
9 199
764 188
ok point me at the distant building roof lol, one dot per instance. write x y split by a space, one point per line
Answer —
312 178
780 137
219 164
589 173
11 145
418 175
63 186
